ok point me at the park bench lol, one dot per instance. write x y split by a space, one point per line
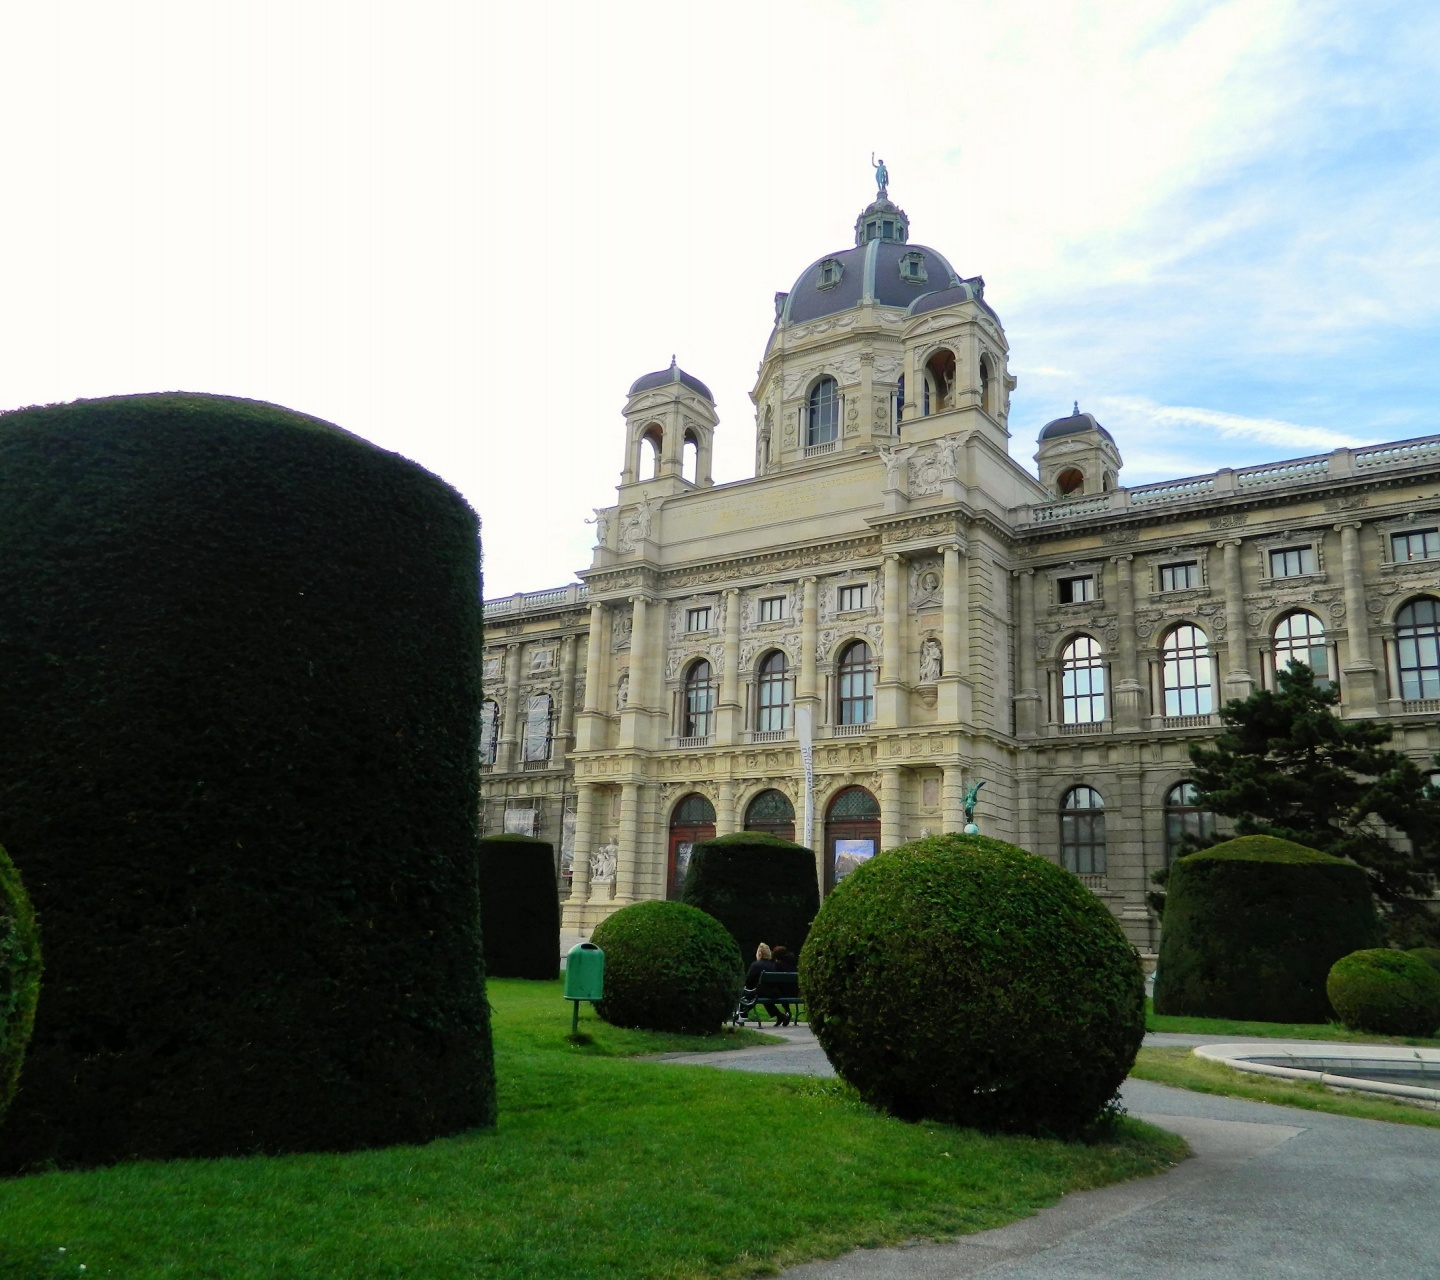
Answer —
780 988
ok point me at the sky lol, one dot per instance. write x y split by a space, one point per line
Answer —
462 230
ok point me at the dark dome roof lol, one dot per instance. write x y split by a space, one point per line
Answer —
869 272
1072 426
663 377
971 290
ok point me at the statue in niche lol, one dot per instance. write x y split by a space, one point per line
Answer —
603 862
622 691
620 631
929 660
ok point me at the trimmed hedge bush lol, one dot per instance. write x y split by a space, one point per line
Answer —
1252 927
1431 956
19 977
760 887
519 907
237 771
961 979
668 967
1390 993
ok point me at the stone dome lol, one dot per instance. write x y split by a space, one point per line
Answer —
1073 425
663 377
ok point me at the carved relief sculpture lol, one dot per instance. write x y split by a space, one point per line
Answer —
929 660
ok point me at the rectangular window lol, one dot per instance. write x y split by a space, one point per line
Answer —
1179 577
1290 562
772 609
850 598
1423 544
1076 590
697 619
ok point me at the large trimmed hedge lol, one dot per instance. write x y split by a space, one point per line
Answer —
668 967
519 907
237 771
1389 993
19 976
760 887
1252 927
961 979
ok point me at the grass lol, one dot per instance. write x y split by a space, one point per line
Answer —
1181 1068
1278 1030
600 1167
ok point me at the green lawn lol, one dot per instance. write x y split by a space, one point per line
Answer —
1262 1030
600 1167
1183 1069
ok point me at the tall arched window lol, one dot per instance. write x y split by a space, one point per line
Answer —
1185 821
699 717
1417 649
1082 832
773 694
1185 672
690 460
900 403
489 730
857 685
823 424
1082 682
536 744
1300 637
649 463
941 370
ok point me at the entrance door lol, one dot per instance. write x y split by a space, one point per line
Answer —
852 833
772 813
691 821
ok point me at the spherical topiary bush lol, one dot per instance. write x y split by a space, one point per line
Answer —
760 887
1252 927
1431 956
961 979
19 976
668 967
1390 993
237 772
519 907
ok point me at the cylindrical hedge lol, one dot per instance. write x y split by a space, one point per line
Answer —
519 907
961 979
1390 993
1252 927
668 967
760 887
19 977
237 771
1431 956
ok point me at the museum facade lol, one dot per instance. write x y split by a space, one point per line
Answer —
891 610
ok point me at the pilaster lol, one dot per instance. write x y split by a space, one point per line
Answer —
589 734
509 755
954 690
1129 693
628 854
1239 683
1027 697
892 807
891 690
1361 673
729 714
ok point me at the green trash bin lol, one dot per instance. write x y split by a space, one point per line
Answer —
584 978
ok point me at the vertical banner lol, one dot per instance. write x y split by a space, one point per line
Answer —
807 758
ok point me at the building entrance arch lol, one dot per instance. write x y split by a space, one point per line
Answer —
772 813
852 833
691 821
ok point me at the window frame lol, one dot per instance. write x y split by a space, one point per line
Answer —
1082 831
847 673
1178 815
847 593
1430 545
1306 562
779 614
697 700
1288 644
1065 587
822 412
1423 674
1192 575
1082 681
1188 662
527 739
700 612
774 694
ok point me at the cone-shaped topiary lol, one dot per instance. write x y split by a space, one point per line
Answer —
1431 956
237 771
1252 927
19 977
961 979
760 887
668 967
1388 993
519 907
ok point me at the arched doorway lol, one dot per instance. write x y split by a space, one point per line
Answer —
692 820
772 813
852 833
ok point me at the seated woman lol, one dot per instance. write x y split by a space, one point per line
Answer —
763 964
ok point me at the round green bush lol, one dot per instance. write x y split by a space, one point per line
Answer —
1252 927
19 976
237 772
760 887
1390 993
1431 956
668 967
519 907
961 979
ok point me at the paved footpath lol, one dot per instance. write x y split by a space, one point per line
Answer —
1272 1192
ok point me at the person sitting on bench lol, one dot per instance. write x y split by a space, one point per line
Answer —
763 964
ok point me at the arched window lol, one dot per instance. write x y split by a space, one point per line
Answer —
1417 649
985 385
699 715
1082 832
771 812
692 821
823 424
1071 480
536 744
900 403
1300 637
773 694
857 685
489 730
650 443
690 460
1185 672
1186 823
941 368
925 385
1082 682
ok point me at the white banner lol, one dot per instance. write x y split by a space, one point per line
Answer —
807 758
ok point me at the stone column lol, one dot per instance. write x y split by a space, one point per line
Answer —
509 739
806 690
1027 697
726 820
892 808
565 737
1238 683
729 714
891 690
1361 673
632 715
954 691
629 851
584 844
952 797
590 732
1129 693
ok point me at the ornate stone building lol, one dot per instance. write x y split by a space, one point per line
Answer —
937 614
